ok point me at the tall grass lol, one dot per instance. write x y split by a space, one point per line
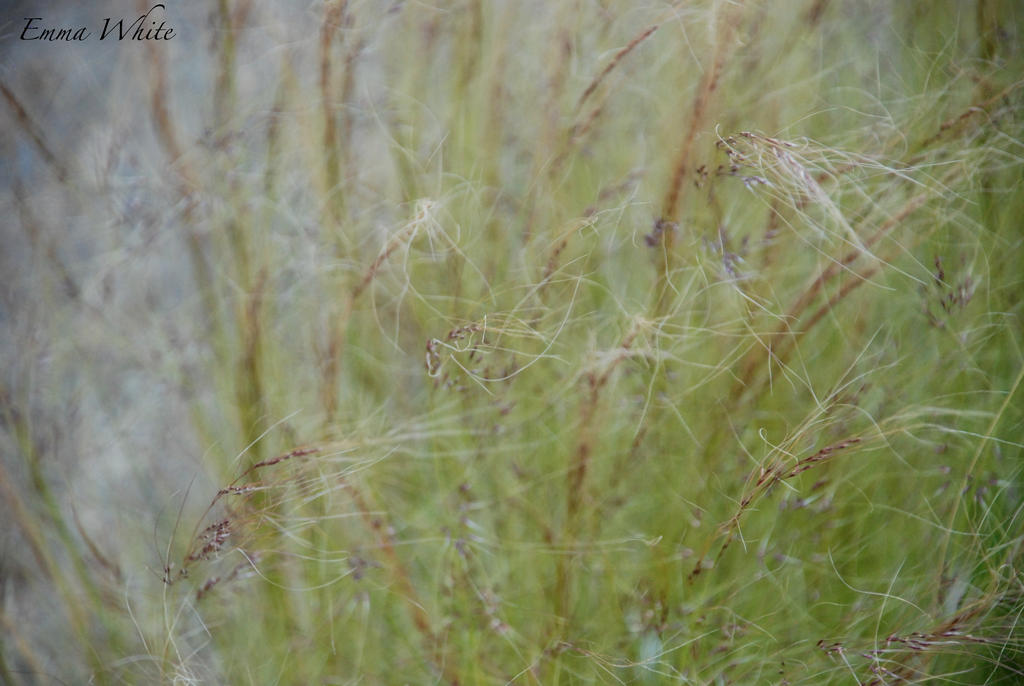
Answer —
517 342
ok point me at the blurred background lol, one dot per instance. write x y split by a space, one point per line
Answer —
429 236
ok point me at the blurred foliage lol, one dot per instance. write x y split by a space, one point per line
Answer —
516 342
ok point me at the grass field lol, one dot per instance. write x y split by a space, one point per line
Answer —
501 342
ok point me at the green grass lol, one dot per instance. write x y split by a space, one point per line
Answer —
520 342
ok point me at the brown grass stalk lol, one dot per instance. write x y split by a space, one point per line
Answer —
336 16
163 120
332 353
614 62
767 477
224 93
595 381
904 658
561 244
30 525
441 663
979 108
28 125
12 634
779 344
187 182
199 546
249 392
229 532
41 239
726 24
580 126
273 138
24 519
